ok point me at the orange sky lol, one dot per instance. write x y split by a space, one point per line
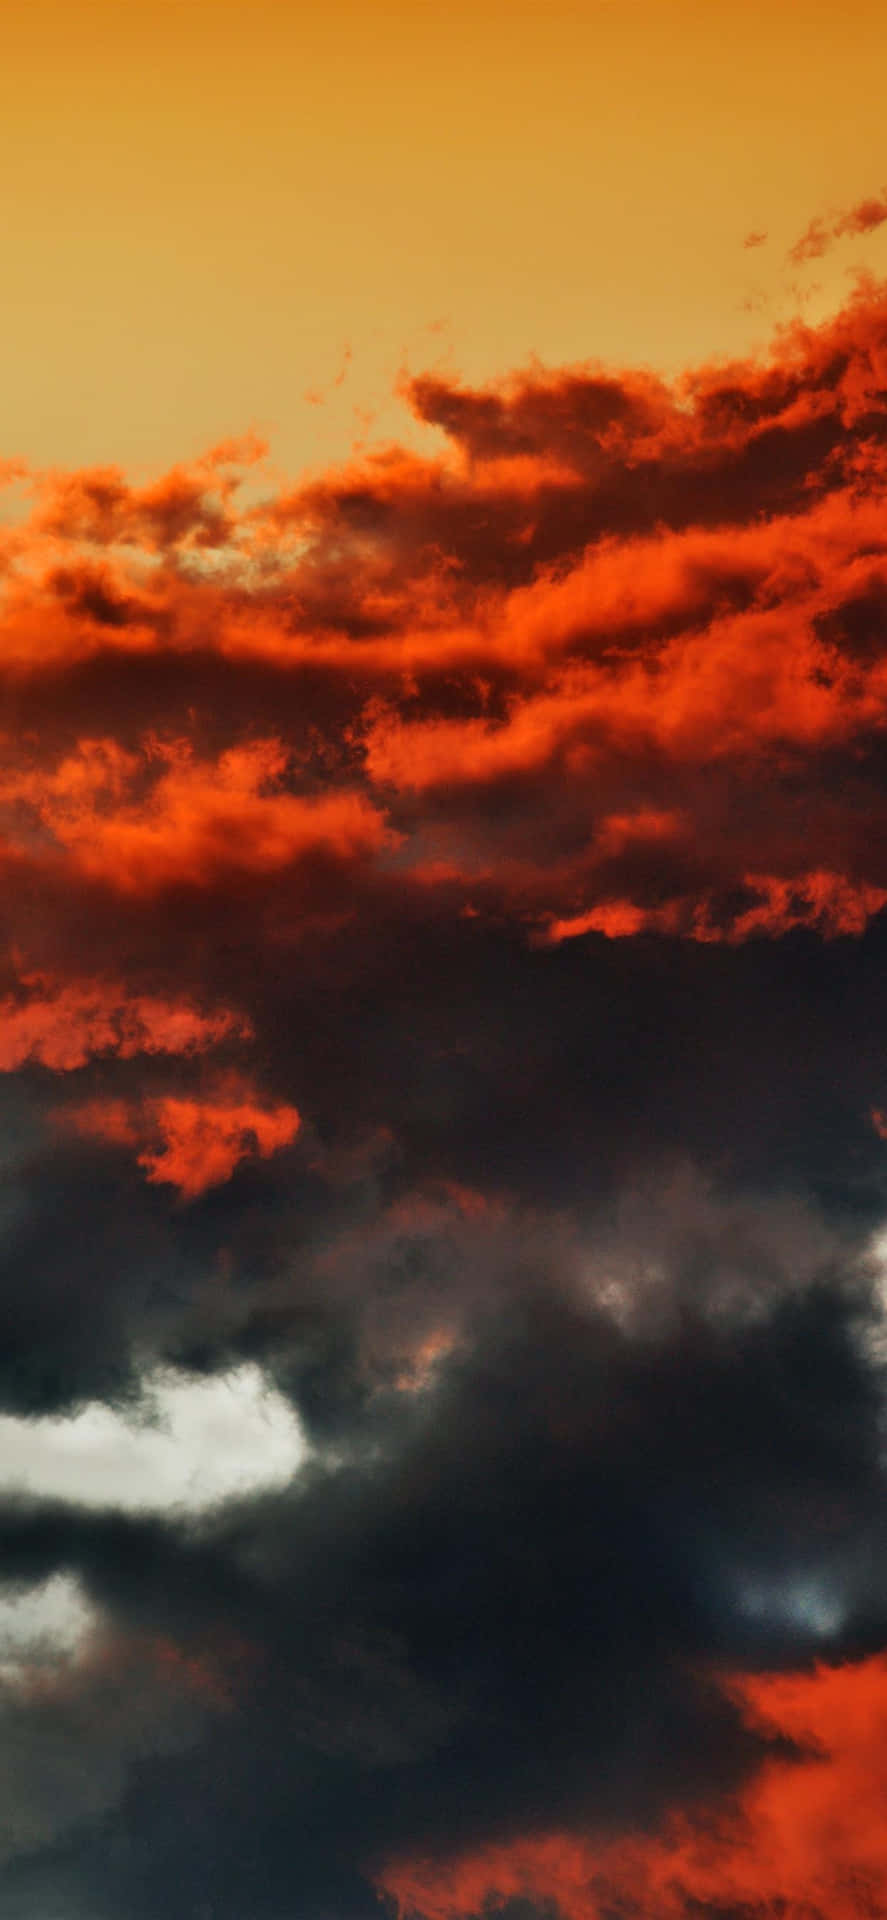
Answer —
207 205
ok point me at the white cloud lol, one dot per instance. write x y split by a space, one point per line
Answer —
190 1444
53 1615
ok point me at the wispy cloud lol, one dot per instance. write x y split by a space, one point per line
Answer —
825 230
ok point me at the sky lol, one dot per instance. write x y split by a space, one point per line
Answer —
443 934
212 212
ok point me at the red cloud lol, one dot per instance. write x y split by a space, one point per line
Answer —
806 1839
188 1142
62 1026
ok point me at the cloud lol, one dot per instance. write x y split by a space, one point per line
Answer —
825 901
195 822
190 1143
805 1837
824 231
444 934
186 1443
143 1691
449 661
583 1690
63 1025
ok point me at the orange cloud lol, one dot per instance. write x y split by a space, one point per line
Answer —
187 1142
188 506
815 240
606 598
822 233
142 822
62 1026
805 1839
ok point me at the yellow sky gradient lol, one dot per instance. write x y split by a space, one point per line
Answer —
206 206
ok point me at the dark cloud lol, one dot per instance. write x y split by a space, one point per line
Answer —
504 1615
444 936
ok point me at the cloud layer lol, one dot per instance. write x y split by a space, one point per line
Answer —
442 986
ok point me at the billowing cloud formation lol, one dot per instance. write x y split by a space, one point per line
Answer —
585 667
444 946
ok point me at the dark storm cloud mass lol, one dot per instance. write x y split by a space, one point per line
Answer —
443 964
502 1623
